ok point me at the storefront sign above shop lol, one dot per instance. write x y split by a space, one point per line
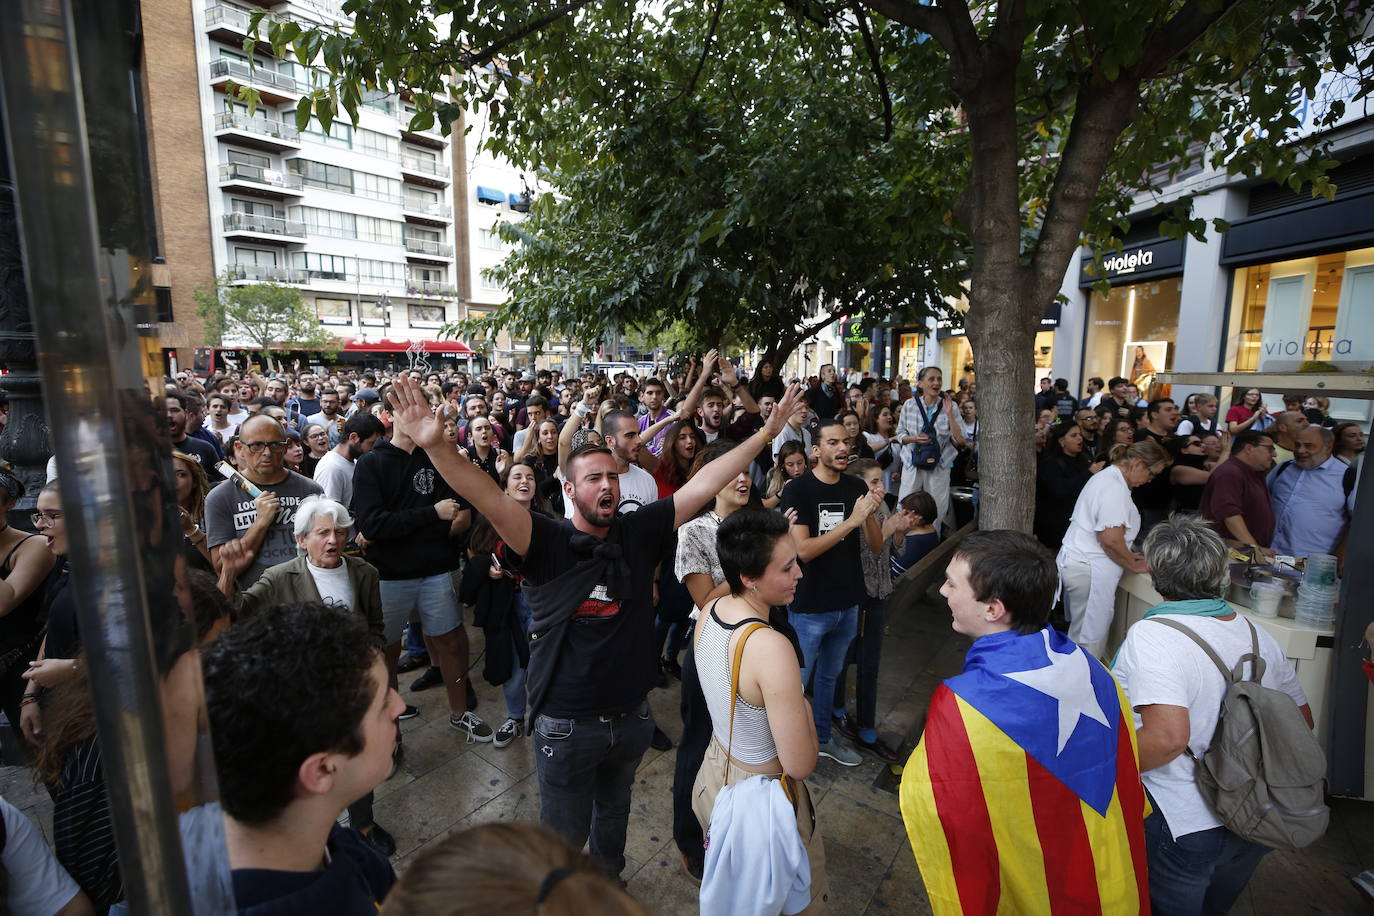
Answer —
854 329
944 330
1151 260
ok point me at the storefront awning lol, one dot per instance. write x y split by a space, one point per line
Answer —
358 345
490 195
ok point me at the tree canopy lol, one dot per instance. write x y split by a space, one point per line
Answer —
994 137
270 316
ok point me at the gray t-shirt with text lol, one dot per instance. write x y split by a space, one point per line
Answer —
229 513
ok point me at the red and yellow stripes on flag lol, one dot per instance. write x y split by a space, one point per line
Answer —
995 833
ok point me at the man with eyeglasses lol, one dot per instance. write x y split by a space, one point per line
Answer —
264 523
1236 498
1086 418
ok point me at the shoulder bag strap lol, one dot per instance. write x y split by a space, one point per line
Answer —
734 689
1257 663
1216 660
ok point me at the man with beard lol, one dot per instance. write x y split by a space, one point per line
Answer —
330 417
831 507
304 404
264 523
335 471
177 418
589 582
652 398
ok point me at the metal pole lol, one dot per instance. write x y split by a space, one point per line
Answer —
86 256
24 443
1347 686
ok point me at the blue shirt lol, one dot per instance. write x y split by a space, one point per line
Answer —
1311 508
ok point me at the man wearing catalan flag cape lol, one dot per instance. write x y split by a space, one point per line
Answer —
1024 794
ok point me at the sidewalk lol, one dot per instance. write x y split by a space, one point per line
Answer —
446 784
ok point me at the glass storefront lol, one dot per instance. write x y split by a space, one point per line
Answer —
1132 331
957 362
1319 308
910 348
1316 308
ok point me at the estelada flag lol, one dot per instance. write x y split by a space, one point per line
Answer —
1024 794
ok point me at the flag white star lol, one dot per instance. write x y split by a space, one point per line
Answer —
1067 678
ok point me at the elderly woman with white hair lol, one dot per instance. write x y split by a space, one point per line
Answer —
321 574
1196 864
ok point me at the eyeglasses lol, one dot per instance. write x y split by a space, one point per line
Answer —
45 519
257 447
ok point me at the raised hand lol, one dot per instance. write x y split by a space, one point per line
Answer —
791 405
728 374
410 408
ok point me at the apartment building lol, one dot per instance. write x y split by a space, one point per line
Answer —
374 222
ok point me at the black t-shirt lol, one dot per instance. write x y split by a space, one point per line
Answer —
834 580
202 451
608 663
1188 496
1156 495
354 882
1064 405
825 405
64 640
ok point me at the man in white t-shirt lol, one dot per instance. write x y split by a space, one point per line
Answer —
1176 692
334 473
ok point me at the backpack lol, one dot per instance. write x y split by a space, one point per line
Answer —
1264 772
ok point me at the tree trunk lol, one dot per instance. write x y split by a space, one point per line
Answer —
1003 341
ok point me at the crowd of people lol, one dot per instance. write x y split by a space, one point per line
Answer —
733 537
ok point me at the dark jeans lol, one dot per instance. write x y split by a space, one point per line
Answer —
1201 873
691 750
866 653
586 771
674 608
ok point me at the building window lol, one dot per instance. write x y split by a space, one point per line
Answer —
372 313
1132 331
374 143
238 157
334 311
490 239
324 266
255 256
426 315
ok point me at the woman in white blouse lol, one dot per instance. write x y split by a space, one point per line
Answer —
1097 546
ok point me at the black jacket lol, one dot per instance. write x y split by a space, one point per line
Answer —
394 493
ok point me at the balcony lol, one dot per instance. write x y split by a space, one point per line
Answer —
250 179
420 170
274 88
430 288
430 137
257 131
268 273
426 249
427 211
228 23
264 228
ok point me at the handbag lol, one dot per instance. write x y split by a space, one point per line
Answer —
926 457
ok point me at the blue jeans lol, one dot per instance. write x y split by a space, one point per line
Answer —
824 638
586 770
514 687
1200 873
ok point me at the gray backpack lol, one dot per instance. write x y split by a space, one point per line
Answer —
1264 773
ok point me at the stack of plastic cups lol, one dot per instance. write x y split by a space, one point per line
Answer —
1315 606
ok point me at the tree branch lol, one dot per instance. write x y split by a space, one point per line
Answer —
534 25
1176 35
929 19
705 52
876 62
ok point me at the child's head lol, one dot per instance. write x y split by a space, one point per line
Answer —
870 472
792 460
922 505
